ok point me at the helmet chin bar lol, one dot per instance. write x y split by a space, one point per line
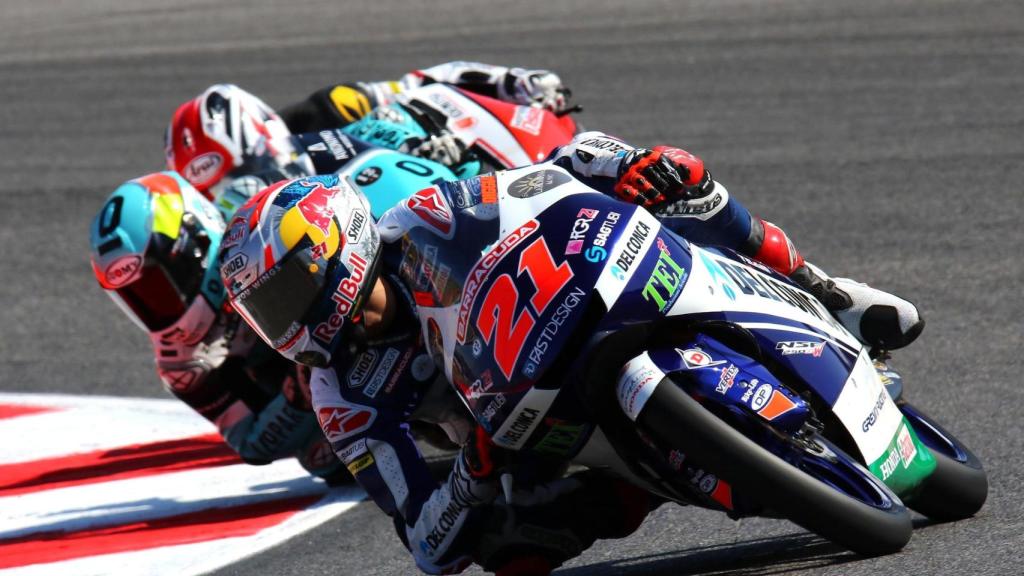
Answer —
312 358
193 325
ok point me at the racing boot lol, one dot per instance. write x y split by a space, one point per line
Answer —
876 318
879 319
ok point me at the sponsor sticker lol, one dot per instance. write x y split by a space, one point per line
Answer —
344 420
203 168
356 225
382 372
726 379
801 347
760 397
695 358
361 368
906 446
482 269
368 175
430 205
666 280
123 270
361 463
633 248
315 206
637 381
234 266
536 183
344 298
528 119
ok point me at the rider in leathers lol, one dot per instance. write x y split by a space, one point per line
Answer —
365 398
153 250
229 143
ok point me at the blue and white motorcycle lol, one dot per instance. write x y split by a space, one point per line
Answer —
578 328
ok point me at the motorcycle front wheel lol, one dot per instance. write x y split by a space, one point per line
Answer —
958 487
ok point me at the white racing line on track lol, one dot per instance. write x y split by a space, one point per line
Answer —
101 485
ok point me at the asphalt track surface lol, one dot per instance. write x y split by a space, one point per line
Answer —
885 137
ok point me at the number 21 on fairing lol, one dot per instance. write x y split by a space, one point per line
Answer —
499 306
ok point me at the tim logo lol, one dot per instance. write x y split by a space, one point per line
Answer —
809 348
340 422
314 206
433 209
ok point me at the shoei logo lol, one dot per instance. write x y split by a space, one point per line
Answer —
201 169
355 225
123 270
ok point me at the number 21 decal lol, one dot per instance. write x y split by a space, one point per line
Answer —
495 321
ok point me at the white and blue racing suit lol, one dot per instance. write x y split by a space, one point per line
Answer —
365 401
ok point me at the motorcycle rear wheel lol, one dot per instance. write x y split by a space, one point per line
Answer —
867 519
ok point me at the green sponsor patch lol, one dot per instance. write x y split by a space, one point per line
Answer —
905 463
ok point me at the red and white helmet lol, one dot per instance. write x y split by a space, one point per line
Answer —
222 130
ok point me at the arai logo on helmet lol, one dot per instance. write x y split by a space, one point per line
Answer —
123 270
203 168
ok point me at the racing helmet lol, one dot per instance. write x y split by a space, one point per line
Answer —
227 130
153 251
299 261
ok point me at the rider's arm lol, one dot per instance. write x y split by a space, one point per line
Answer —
365 425
259 426
709 215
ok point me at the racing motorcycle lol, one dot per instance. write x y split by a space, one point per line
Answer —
498 135
578 328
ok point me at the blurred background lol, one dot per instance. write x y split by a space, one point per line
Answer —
884 136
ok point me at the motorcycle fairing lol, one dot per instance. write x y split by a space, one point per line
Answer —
537 130
385 176
472 123
799 334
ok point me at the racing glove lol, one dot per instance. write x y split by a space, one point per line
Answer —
480 465
535 87
444 148
652 178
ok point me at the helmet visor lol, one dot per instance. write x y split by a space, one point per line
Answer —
153 298
276 303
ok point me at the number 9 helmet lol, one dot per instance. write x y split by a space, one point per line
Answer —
226 130
299 261
153 249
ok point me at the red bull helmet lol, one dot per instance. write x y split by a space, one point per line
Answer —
299 260
226 130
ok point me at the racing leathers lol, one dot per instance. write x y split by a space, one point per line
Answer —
215 363
703 211
365 399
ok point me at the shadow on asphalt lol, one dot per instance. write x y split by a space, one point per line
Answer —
759 557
